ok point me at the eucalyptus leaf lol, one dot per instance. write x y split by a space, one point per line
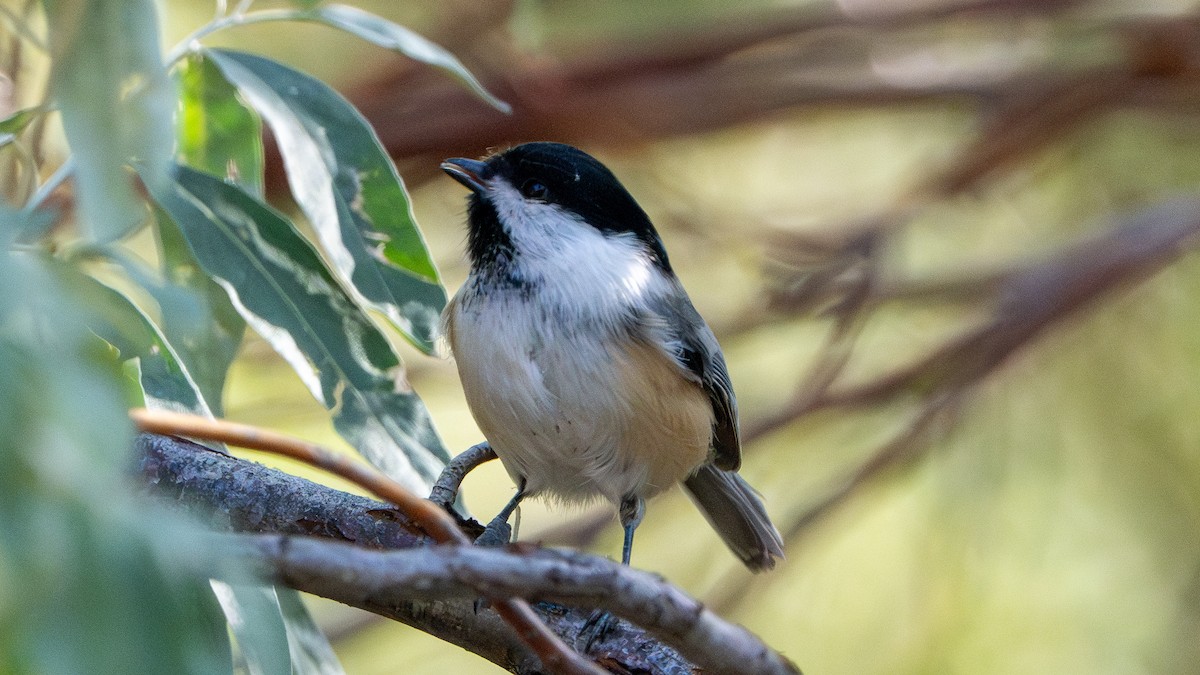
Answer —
116 104
198 318
166 382
310 649
349 189
16 122
389 35
23 226
284 291
275 631
93 581
216 132
253 611
257 624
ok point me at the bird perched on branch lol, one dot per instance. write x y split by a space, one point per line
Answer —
582 358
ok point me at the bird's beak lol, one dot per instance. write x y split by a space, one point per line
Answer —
469 172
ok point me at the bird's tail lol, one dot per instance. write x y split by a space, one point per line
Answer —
737 514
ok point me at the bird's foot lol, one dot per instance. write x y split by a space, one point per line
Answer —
595 629
497 533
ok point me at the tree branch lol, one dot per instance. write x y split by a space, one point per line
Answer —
385 579
434 588
240 496
745 67
440 525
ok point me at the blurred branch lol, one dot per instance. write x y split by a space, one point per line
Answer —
434 589
743 68
1160 68
1031 299
702 45
1028 301
906 446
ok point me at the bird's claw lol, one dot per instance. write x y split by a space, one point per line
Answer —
595 629
497 533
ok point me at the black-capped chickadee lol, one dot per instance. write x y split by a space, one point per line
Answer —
582 358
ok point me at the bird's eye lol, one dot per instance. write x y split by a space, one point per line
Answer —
534 189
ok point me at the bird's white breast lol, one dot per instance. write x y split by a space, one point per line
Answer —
573 405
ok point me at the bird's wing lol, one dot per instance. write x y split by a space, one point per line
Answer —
683 333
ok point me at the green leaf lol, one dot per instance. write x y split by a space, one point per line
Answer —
198 318
23 226
135 393
120 604
349 189
275 630
165 381
310 649
43 308
116 104
395 37
199 332
16 122
257 623
281 286
94 582
216 132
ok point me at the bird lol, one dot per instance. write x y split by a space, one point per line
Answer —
582 359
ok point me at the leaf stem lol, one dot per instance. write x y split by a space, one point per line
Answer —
239 17
60 174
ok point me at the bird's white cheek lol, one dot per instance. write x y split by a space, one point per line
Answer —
578 262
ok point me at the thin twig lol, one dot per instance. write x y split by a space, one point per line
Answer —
435 521
1034 298
904 446
238 18
850 317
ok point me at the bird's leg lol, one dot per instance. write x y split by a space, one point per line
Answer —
632 509
498 532
600 623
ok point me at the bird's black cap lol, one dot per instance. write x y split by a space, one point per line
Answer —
558 174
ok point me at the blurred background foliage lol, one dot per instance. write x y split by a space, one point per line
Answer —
851 192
